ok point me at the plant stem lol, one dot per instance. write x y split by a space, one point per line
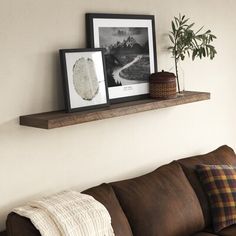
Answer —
176 62
177 75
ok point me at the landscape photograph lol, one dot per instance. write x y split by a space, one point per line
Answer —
126 54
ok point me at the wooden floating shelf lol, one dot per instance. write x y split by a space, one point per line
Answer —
56 119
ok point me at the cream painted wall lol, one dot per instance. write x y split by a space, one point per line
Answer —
35 162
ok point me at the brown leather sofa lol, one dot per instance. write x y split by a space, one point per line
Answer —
166 202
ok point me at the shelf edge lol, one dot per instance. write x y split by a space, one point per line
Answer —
67 119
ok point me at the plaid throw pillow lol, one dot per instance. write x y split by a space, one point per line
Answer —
219 182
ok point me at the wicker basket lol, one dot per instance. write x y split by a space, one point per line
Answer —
162 85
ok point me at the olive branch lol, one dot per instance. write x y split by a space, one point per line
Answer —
187 42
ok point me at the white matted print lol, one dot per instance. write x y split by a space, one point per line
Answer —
84 78
130 51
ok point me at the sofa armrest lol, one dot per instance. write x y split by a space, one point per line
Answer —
19 225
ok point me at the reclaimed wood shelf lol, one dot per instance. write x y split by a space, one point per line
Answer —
56 119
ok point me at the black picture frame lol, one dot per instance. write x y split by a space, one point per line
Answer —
93 38
76 66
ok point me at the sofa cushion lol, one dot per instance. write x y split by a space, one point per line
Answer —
105 194
160 203
18 225
229 231
219 182
224 155
204 234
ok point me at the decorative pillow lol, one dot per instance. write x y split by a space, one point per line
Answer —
219 182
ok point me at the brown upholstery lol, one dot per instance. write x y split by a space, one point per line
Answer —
20 226
222 155
204 234
104 194
161 203
229 231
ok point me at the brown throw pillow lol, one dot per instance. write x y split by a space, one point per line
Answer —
219 182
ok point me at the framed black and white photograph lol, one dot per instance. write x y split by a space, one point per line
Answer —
84 76
130 52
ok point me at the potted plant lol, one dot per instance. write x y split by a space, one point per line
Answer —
185 41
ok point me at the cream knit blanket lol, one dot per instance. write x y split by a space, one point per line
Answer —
68 213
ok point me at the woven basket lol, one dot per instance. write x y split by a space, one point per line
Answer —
162 85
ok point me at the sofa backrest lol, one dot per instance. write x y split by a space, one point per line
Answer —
168 201
223 155
160 203
21 226
104 194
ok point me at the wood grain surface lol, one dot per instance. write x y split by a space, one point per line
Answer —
56 119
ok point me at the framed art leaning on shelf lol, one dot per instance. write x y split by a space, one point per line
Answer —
84 76
130 52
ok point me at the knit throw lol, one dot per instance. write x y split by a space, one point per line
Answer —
68 213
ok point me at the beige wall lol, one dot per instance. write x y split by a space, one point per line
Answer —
34 162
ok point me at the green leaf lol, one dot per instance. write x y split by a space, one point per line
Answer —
173 27
207 51
199 30
203 52
185 21
194 54
187 42
176 21
190 26
171 38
